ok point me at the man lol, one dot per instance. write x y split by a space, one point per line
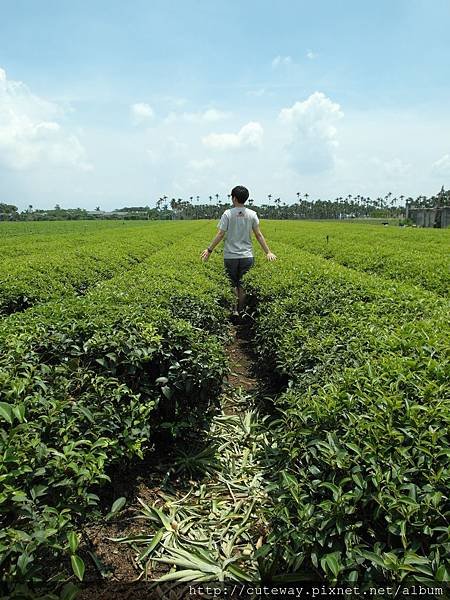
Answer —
236 225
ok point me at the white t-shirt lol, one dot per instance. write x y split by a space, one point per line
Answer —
238 222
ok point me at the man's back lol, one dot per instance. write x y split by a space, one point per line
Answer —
238 222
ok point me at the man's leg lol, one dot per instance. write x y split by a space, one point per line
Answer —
240 292
245 264
231 267
236 306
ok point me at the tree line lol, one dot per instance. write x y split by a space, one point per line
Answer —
342 207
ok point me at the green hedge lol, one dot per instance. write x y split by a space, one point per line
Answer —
68 265
417 256
87 382
361 428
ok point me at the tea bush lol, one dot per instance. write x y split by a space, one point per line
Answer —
361 428
418 256
87 382
69 265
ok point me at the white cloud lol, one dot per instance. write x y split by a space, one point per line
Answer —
395 168
207 116
30 135
311 55
200 165
214 115
281 61
441 167
249 135
312 133
175 146
141 112
166 148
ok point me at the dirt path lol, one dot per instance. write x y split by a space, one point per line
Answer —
239 354
218 510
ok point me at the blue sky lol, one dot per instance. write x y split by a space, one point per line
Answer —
112 104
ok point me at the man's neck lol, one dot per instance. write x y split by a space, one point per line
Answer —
239 205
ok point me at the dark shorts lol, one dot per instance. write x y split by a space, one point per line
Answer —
236 269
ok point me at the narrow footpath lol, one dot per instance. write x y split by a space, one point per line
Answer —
200 510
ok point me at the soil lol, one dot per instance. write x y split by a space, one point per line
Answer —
239 354
117 576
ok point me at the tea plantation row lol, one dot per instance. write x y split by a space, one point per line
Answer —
41 237
87 382
418 256
359 367
68 264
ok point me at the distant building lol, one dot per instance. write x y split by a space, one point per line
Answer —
438 217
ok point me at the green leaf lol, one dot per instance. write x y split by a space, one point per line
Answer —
155 541
189 560
185 574
23 561
336 491
156 515
442 574
69 592
331 562
77 566
86 412
357 478
353 577
288 479
375 558
239 574
73 541
19 412
116 507
167 392
6 411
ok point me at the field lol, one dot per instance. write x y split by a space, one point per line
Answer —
310 442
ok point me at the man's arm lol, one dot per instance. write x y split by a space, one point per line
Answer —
259 236
208 251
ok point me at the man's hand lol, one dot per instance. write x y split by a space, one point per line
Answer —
205 255
271 256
